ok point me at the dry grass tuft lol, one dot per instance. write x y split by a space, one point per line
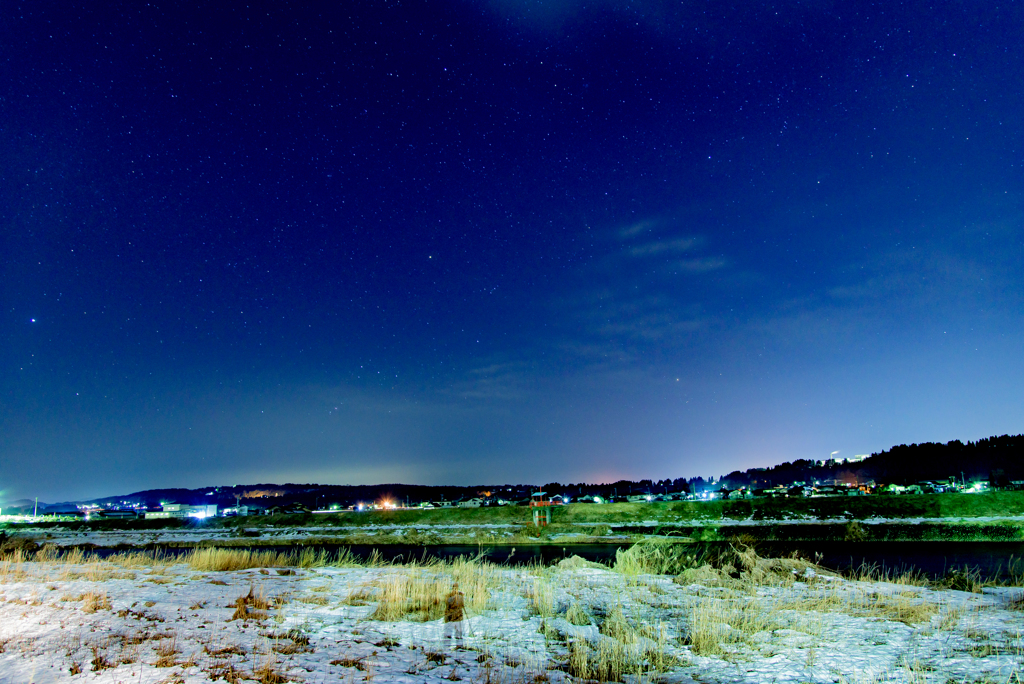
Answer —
361 596
901 607
257 602
349 662
293 641
99 661
268 673
541 596
166 653
94 601
617 627
227 672
224 651
578 615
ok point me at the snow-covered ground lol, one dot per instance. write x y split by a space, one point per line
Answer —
132 621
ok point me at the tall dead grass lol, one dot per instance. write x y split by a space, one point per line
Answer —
420 592
610 660
654 557
541 597
222 560
731 616
227 560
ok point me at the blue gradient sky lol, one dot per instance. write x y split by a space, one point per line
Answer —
464 242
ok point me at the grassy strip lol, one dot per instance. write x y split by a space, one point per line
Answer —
994 504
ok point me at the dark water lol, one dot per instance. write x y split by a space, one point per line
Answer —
933 559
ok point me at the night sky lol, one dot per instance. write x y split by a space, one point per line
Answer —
504 241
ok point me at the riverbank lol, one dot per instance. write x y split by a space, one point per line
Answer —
1005 529
997 517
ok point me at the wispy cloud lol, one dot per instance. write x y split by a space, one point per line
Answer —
637 228
497 381
652 317
700 264
658 247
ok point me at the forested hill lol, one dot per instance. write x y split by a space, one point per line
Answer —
995 459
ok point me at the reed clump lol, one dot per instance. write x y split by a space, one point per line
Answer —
541 597
420 593
654 557
419 596
616 626
714 622
609 660
223 560
226 560
577 615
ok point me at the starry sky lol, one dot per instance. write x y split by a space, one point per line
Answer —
461 241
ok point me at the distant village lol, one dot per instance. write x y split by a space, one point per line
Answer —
283 502
513 497
992 464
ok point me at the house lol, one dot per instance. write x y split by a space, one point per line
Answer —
102 514
244 509
475 502
177 510
288 509
589 498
